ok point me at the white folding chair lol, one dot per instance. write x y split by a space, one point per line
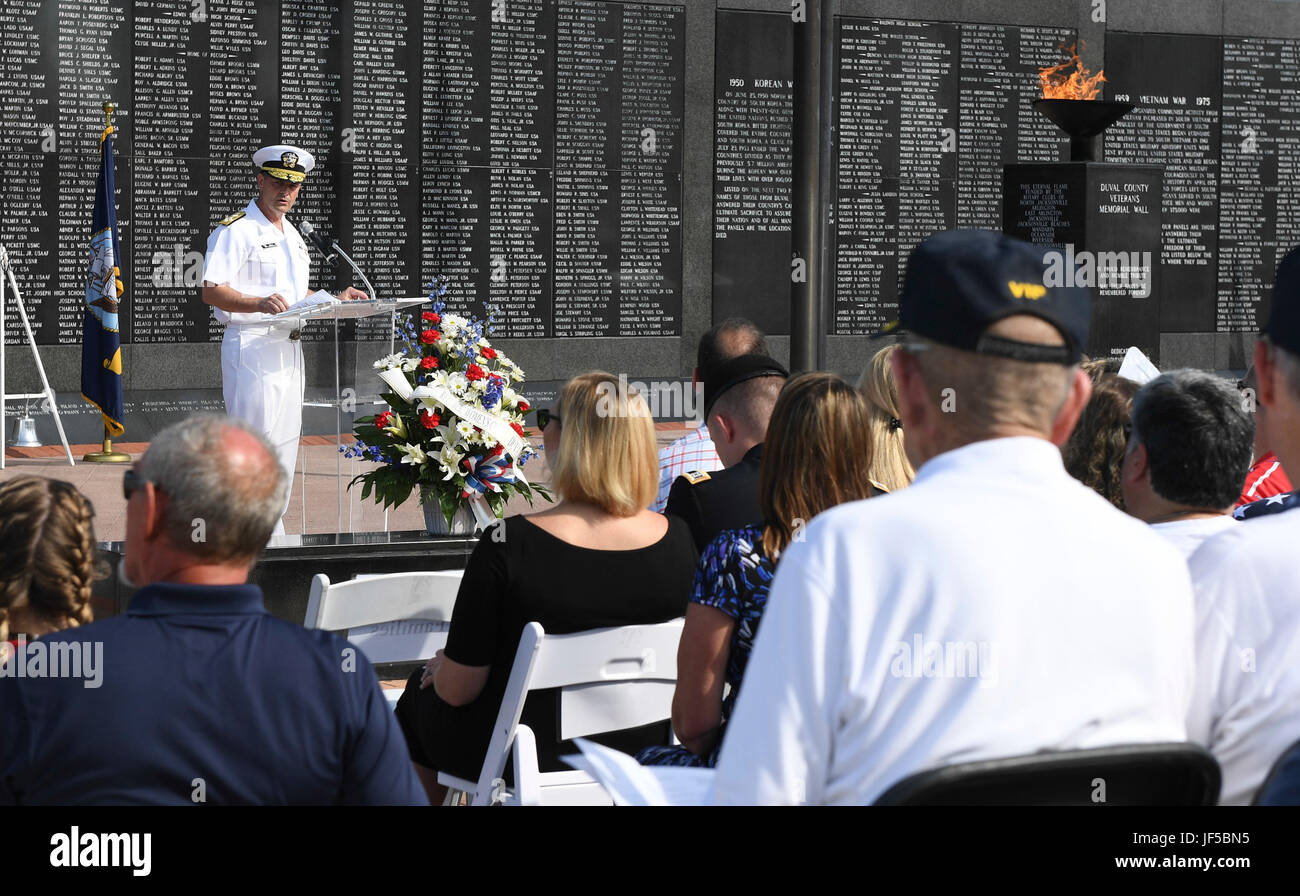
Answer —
609 679
395 618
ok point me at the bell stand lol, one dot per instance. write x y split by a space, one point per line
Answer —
7 273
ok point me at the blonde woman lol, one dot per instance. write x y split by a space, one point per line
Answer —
599 558
47 557
812 460
890 468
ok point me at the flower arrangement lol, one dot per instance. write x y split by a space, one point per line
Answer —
453 426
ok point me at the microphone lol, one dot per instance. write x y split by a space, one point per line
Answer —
319 240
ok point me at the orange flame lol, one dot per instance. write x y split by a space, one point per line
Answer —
1059 83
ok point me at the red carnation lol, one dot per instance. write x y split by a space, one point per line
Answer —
474 372
429 419
384 419
431 317
490 354
429 363
523 405
429 337
517 428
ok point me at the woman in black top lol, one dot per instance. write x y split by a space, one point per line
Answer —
597 559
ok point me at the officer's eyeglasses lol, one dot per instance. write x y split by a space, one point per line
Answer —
131 483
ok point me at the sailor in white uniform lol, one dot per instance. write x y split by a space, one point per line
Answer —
256 266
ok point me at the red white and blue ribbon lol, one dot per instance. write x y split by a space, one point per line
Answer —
487 472
482 474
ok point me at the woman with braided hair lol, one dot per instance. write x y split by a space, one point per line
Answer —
47 557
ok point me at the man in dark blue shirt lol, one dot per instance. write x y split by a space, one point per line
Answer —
197 694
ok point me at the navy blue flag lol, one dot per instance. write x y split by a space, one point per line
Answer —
101 344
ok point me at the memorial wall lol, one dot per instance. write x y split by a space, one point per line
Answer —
613 177
532 158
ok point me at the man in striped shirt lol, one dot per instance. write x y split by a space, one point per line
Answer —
694 452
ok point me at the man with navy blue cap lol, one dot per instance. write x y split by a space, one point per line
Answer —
995 607
257 266
1246 707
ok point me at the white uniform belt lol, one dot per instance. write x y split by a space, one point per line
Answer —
264 329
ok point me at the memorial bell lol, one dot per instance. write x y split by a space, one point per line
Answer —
25 433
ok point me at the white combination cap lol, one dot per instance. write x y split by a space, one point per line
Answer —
285 162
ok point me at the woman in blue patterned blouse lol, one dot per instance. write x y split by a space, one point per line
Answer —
817 454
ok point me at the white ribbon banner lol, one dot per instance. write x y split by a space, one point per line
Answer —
494 426
398 382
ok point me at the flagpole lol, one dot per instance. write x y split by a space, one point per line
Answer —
107 455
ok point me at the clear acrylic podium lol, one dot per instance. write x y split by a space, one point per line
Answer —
348 310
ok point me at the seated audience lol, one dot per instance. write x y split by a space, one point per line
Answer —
817 414
990 608
197 694
1246 704
890 469
738 400
1188 449
694 451
599 558
1095 450
47 557
1266 478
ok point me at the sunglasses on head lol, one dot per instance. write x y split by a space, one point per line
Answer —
131 483
544 417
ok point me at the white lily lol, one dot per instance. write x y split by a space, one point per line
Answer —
449 459
414 455
425 397
388 361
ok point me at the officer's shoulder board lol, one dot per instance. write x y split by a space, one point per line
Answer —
226 222
695 477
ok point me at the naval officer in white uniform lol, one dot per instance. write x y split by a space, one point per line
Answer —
257 265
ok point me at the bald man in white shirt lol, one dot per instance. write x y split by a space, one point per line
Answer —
995 607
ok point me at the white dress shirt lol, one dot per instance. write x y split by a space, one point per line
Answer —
995 607
255 257
1246 705
1188 535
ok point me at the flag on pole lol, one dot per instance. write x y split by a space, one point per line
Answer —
101 351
